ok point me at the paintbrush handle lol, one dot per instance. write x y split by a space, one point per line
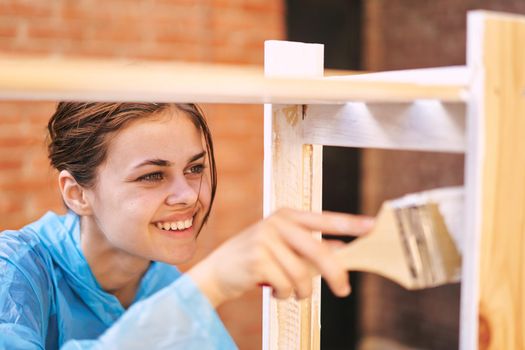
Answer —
409 245
380 251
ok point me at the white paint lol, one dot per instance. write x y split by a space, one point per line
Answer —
451 204
425 125
287 59
290 60
452 75
468 339
267 185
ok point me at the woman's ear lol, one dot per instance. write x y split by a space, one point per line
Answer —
73 194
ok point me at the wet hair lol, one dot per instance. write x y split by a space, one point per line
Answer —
80 133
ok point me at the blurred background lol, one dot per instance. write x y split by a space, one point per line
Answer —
358 35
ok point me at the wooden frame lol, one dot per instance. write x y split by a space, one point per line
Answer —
494 271
293 178
478 109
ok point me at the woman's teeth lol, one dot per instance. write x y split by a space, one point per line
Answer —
175 225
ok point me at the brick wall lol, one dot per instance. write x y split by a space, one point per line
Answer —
225 31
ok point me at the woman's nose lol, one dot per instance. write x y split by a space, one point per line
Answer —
182 192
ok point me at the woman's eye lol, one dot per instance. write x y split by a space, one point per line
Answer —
195 169
153 177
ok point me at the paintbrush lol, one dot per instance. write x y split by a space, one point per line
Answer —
414 241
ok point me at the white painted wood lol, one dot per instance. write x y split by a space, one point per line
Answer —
108 80
473 185
287 59
267 207
455 75
424 125
292 178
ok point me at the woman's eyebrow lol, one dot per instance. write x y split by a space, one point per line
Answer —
158 162
162 162
197 156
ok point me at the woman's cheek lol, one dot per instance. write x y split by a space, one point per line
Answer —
205 193
134 217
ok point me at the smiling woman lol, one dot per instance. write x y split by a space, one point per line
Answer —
153 173
138 180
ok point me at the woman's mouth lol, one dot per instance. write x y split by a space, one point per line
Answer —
178 225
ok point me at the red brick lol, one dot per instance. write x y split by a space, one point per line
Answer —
10 164
254 5
26 8
8 30
179 34
55 30
120 30
21 185
103 12
25 48
164 13
176 52
9 142
9 204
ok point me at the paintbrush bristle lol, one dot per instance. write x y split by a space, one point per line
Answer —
432 257
410 242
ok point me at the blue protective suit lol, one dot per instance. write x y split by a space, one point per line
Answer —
49 299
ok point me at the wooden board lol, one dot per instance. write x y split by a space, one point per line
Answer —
23 78
293 178
423 125
495 288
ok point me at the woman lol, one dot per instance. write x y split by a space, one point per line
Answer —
138 180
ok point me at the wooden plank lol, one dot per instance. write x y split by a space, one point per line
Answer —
313 181
455 75
23 78
425 125
468 337
293 173
496 180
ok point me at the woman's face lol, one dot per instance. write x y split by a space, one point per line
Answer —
153 190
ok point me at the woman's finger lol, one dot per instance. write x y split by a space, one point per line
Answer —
334 244
318 253
275 277
299 271
329 222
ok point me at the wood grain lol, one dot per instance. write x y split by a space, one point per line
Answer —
23 78
502 172
293 178
296 183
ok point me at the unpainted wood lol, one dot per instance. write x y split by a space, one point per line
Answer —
293 179
380 252
39 78
501 169
296 183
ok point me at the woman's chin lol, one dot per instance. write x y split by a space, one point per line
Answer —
178 256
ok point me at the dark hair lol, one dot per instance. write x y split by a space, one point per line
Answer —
78 135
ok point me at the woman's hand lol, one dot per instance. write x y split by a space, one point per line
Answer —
281 252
